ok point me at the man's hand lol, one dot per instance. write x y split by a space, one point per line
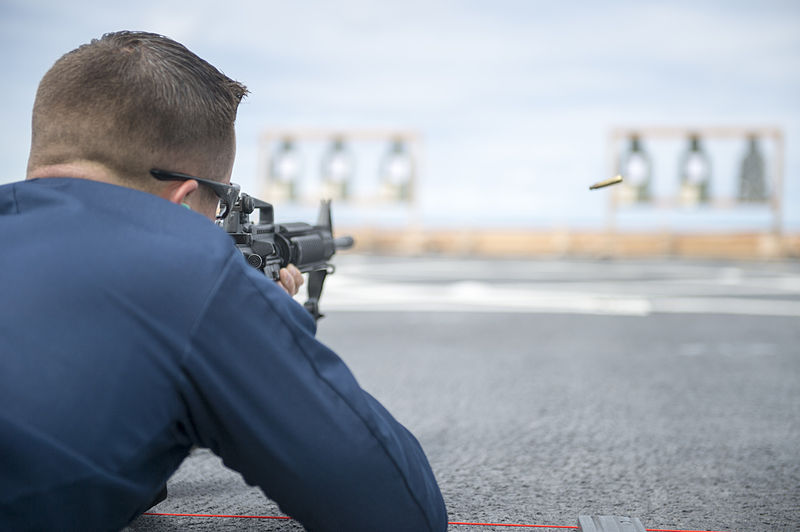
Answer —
291 279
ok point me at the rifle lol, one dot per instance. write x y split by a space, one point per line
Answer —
269 247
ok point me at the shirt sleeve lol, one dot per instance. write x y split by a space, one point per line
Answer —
286 412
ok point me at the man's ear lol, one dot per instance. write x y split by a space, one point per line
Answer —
177 191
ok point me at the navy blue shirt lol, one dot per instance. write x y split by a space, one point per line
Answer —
132 329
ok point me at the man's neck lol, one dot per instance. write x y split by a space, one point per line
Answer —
78 169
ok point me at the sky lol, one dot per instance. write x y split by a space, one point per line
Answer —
513 100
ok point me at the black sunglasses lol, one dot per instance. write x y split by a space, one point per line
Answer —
227 194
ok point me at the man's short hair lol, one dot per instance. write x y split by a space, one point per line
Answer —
130 100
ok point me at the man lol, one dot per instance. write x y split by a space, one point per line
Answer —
131 328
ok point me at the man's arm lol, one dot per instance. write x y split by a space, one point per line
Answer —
287 413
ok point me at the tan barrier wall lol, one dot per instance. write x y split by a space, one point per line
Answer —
516 243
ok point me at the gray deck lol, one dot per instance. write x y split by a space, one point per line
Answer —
542 390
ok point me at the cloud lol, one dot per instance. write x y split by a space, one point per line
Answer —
526 90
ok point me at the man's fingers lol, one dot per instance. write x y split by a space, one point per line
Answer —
298 277
291 279
287 282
